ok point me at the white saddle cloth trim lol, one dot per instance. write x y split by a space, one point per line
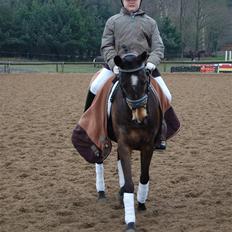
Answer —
109 103
164 87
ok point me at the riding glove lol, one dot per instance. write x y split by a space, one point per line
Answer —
151 67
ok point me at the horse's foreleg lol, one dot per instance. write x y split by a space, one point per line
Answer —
128 196
100 182
142 194
121 178
143 188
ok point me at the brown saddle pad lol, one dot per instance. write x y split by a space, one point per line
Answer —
90 137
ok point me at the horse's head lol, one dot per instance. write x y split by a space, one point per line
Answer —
134 82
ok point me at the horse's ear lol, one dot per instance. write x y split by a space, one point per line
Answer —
118 61
143 57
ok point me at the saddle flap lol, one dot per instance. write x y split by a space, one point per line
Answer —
87 149
90 136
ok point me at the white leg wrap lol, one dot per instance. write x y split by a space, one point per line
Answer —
128 200
100 80
120 174
142 192
100 183
164 87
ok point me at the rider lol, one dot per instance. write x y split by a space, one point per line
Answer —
138 32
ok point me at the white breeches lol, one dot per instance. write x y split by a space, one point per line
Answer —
105 74
100 80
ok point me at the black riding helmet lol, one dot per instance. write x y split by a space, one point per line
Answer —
140 2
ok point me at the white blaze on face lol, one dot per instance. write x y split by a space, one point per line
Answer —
134 80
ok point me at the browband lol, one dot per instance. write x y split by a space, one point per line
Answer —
132 70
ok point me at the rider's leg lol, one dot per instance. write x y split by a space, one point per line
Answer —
162 145
167 93
97 84
164 87
89 100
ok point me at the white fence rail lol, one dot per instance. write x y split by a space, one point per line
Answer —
165 66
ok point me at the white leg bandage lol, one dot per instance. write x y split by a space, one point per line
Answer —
100 80
164 87
100 183
142 192
120 175
128 200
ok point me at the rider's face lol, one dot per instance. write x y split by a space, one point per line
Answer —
131 5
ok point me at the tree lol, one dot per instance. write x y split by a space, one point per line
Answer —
73 28
171 38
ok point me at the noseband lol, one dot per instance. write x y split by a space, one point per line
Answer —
141 102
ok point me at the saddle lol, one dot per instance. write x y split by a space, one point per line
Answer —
93 133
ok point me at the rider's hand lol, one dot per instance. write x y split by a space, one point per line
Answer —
150 67
116 70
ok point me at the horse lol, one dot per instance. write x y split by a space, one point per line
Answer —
136 122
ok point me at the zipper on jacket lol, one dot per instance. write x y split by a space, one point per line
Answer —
132 15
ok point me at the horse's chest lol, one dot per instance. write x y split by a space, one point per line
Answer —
138 137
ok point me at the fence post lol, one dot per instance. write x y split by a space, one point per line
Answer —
230 55
8 67
218 68
57 68
226 55
62 67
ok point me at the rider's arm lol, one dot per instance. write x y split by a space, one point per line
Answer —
108 44
157 46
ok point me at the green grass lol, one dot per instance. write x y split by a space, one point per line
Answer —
80 69
52 68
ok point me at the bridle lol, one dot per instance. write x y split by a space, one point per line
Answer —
138 103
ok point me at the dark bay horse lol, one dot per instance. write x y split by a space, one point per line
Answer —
136 121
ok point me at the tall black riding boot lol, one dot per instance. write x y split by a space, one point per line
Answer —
89 100
163 136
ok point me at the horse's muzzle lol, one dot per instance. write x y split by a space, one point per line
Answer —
139 114
138 108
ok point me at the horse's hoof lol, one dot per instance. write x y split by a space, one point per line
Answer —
141 206
130 227
101 196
